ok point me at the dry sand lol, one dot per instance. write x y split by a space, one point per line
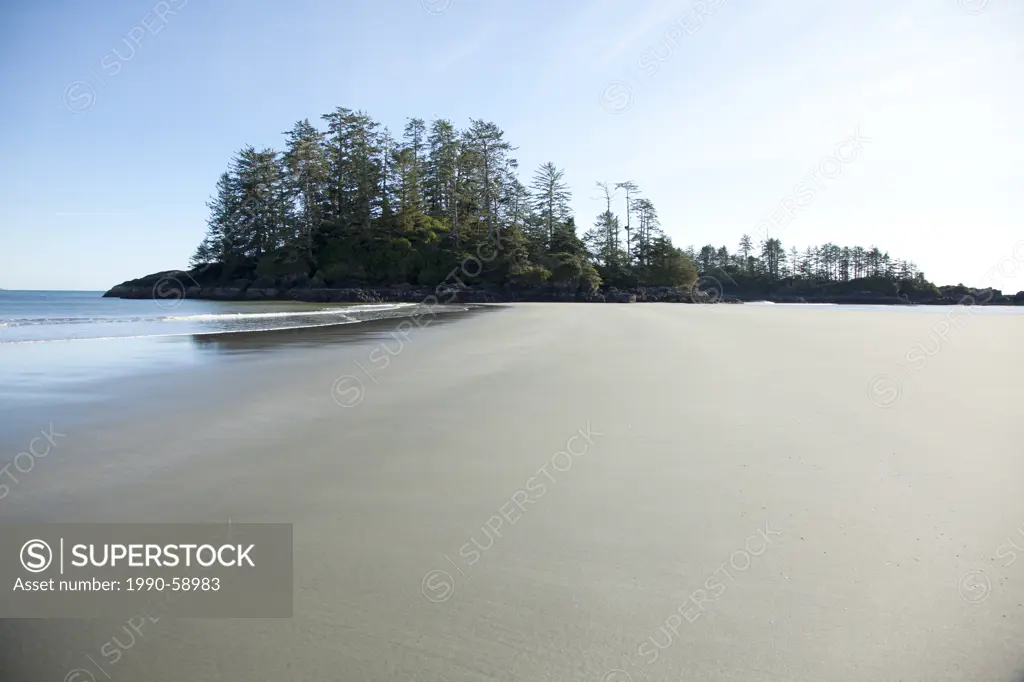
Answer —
841 526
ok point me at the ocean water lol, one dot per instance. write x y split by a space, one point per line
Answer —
60 350
50 316
64 354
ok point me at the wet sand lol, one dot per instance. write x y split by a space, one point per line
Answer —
583 492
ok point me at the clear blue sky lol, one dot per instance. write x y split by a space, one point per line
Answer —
739 106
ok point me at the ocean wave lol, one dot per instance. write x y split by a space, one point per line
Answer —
223 323
203 317
173 334
227 317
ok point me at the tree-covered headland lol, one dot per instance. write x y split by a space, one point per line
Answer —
347 203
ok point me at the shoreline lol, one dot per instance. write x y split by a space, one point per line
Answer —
387 478
169 285
76 380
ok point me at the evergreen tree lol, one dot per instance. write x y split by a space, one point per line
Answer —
746 247
648 229
631 188
551 198
442 174
307 178
487 153
351 204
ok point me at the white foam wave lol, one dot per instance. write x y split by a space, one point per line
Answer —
341 316
205 317
161 336
341 312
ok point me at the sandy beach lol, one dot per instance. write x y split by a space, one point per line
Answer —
606 493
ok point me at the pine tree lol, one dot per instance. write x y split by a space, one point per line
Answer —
351 203
217 245
601 241
441 181
551 198
648 229
307 177
415 148
794 262
631 188
355 153
487 153
746 247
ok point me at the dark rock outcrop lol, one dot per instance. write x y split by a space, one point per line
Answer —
620 297
178 284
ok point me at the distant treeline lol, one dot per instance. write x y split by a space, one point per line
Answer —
351 204
769 268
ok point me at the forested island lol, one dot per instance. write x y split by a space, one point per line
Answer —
349 212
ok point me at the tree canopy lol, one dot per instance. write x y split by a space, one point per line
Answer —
347 203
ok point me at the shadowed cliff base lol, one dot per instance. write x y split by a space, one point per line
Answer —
718 288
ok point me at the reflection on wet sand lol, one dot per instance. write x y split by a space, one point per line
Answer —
382 325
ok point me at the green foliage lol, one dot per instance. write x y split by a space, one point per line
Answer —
769 269
590 279
669 266
349 204
282 262
529 276
566 268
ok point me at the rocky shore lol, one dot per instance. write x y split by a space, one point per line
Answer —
177 284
